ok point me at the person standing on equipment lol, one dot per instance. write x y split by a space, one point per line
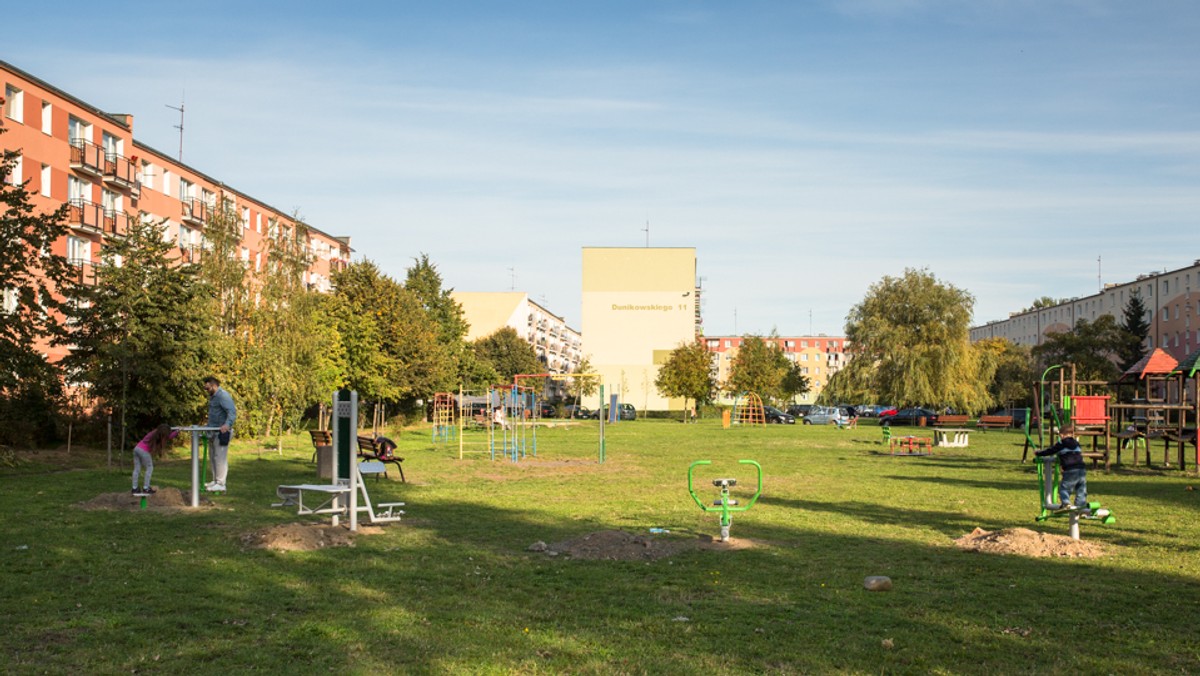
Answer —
221 414
1074 470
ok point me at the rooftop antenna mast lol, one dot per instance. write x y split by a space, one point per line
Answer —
647 231
1099 275
180 125
512 273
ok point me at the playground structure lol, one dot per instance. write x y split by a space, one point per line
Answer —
748 410
1048 478
442 417
1153 400
724 503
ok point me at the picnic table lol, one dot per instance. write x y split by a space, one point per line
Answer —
951 437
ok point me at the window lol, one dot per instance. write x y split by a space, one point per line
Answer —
804 357
257 261
10 301
78 131
258 224
186 190
47 118
14 174
79 250
188 238
78 190
14 104
46 180
245 218
804 343
245 255
148 171
113 146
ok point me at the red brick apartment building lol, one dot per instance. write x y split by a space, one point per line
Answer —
73 153
819 357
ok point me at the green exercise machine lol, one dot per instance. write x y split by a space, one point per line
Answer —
724 504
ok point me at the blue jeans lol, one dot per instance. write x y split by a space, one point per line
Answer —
1073 480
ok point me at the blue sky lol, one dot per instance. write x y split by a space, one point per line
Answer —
806 149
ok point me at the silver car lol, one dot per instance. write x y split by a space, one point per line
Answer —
825 415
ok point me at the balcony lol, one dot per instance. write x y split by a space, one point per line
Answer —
84 271
84 214
87 158
119 172
189 254
196 212
116 222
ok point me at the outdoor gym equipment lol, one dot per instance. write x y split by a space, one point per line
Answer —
724 504
199 433
1050 506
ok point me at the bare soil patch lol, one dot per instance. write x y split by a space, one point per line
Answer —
1026 542
165 500
305 537
617 545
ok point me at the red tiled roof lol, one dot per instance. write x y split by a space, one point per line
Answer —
1158 362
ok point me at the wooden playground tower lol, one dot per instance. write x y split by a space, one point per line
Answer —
1151 401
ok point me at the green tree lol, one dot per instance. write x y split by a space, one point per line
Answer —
425 283
910 346
141 332
1090 346
508 354
31 277
1135 328
1012 383
291 354
392 346
794 383
759 367
687 373
223 270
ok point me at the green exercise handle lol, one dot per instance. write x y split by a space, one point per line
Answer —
724 507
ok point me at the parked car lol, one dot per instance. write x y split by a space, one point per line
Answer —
624 412
909 416
824 415
547 410
777 417
873 410
1018 415
799 410
576 411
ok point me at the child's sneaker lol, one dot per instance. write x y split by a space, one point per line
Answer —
135 491
149 489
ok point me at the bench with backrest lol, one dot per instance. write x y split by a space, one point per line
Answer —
370 449
951 420
320 438
992 422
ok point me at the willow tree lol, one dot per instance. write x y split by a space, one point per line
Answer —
910 346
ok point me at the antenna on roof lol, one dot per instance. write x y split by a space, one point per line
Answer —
180 125
512 273
647 231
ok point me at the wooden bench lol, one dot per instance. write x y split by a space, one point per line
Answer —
320 438
951 420
369 449
991 422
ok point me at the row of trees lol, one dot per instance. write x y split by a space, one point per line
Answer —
910 346
759 367
147 329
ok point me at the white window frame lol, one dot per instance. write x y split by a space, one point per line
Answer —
9 301
16 174
14 104
47 118
46 178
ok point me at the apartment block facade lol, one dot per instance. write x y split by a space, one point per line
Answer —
819 358
73 153
557 345
1172 300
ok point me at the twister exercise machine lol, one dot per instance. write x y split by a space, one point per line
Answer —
1048 476
724 504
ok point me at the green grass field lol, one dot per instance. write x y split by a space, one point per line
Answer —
453 589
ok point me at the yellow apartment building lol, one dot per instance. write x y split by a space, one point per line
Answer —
638 304
819 358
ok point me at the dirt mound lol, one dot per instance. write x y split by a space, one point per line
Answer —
166 499
617 545
1025 542
305 537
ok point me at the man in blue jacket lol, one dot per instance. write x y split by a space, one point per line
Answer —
221 414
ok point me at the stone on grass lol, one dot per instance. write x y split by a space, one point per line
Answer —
538 546
877 583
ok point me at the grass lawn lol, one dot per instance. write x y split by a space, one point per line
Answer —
453 589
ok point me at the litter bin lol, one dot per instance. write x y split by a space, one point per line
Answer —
921 421
325 462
